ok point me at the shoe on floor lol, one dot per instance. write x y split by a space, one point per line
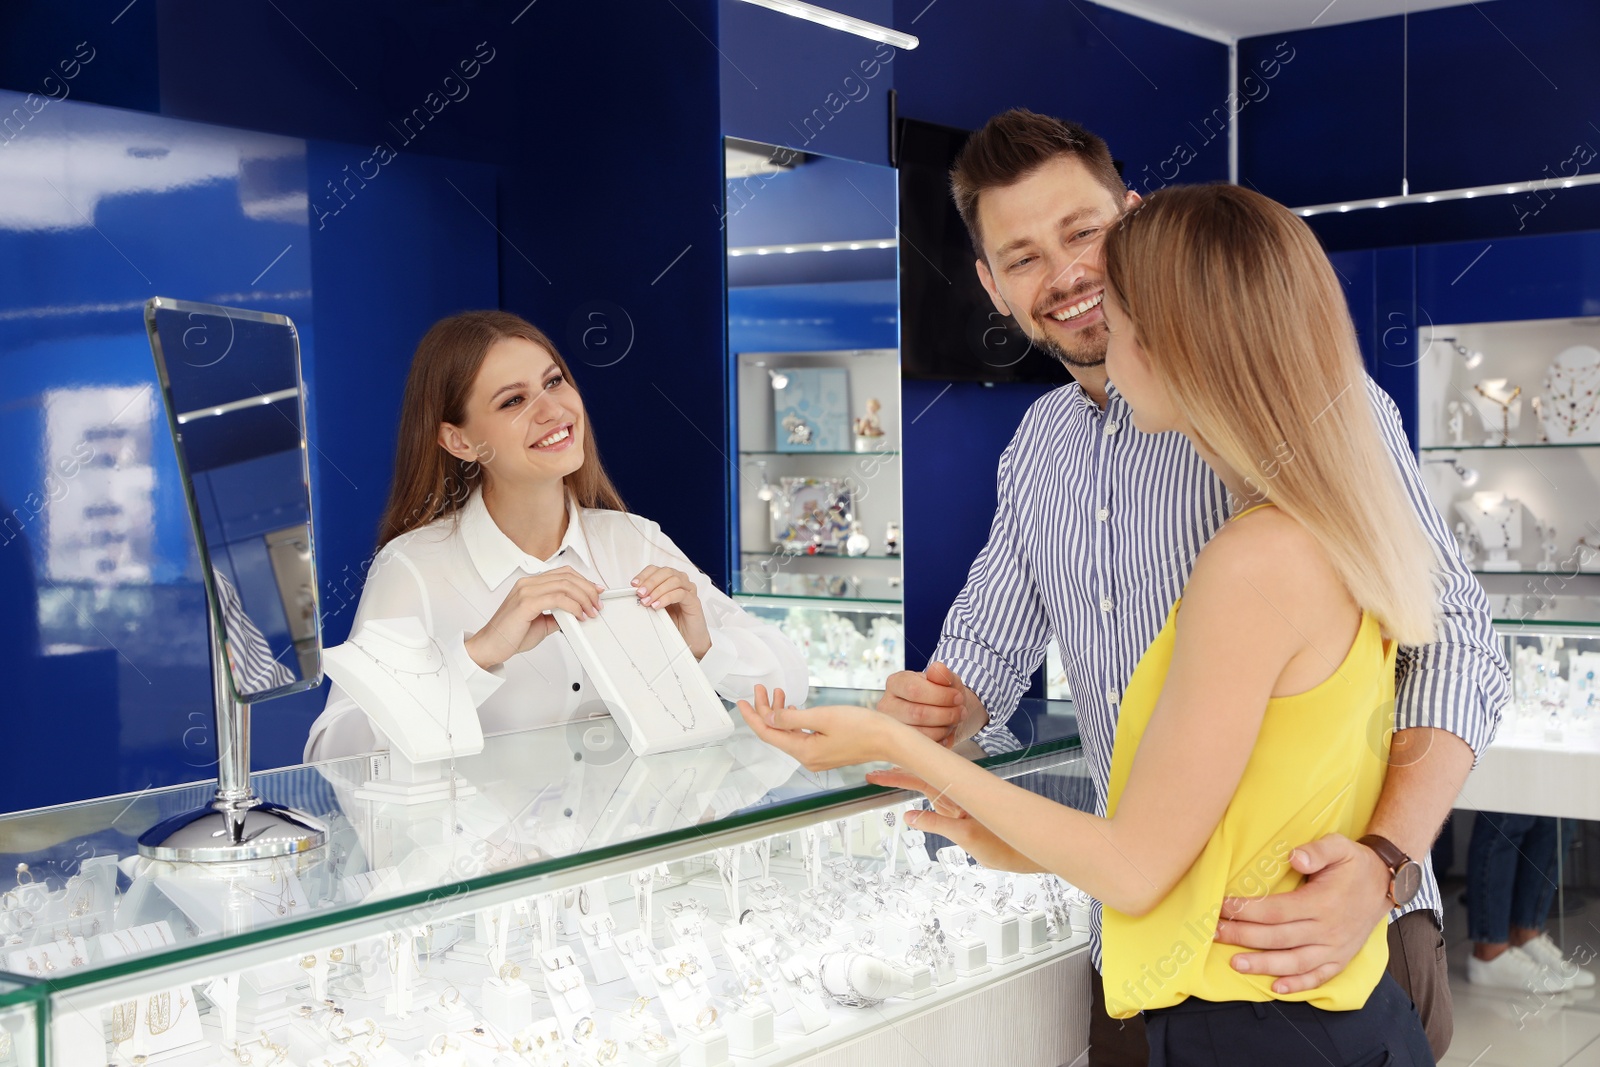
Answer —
1516 969
1545 952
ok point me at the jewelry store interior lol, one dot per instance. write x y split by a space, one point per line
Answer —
733 219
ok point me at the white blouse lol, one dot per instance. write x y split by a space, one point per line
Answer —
454 574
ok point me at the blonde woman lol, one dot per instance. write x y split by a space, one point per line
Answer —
500 514
1259 716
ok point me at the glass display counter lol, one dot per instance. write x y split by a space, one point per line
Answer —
1545 759
569 903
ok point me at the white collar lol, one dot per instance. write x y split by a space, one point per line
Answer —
495 555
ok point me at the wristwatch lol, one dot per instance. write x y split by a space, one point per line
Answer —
1405 873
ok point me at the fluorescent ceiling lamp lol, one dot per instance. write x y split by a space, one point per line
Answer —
849 24
1536 186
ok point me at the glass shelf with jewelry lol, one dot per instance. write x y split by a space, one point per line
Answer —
817 533
572 903
1509 429
1552 644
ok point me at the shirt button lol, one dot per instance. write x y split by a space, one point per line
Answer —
1112 427
1105 603
1103 514
1111 696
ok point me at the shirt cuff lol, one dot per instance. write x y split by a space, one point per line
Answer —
1446 700
480 683
720 659
982 672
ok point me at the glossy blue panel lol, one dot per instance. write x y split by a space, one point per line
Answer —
790 82
1495 92
808 318
118 206
1549 277
1325 132
1159 96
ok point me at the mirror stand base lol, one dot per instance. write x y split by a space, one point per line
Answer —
224 832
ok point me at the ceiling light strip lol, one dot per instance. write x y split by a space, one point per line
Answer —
238 405
814 246
834 20
1540 185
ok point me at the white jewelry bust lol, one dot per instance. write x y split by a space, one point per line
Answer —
404 681
1497 520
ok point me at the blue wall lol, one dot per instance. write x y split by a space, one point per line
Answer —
555 181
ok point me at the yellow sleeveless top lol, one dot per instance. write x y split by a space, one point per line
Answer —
1317 768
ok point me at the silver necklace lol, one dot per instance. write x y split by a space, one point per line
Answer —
395 672
449 701
687 703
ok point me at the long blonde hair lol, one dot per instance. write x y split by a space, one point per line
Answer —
1240 315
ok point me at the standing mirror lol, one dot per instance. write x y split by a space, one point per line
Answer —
235 403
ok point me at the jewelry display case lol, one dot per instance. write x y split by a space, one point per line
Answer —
567 903
1545 759
818 543
1509 430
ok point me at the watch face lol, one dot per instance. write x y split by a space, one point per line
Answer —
1407 882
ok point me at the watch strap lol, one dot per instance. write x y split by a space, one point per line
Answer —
1389 852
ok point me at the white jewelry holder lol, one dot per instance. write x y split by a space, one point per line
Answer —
688 932
703 1047
1033 931
1497 519
403 966
646 675
563 982
972 955
805 993
546 905
223 993
685 986
508 1004
415 692
637 959
915 843
752 1030
599 931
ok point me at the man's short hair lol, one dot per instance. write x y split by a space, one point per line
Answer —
1013 145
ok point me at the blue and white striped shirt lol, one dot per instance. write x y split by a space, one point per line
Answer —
1096 531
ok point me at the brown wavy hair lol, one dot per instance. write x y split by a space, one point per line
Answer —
430 483
1245 324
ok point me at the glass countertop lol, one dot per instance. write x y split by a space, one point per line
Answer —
1545 613
532 803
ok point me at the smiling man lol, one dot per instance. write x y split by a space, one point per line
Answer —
1096 531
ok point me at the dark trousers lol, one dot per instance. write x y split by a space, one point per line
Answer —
1384 1032
1416 964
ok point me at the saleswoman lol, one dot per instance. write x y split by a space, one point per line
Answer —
1259 717
500 513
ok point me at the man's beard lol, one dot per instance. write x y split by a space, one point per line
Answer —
1090 354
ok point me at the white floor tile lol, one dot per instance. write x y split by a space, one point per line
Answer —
1588 1057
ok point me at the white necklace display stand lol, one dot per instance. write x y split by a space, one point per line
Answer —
1497 520
415 696
646 675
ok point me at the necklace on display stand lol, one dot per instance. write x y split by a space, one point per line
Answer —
449 701
1505 408
670 665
